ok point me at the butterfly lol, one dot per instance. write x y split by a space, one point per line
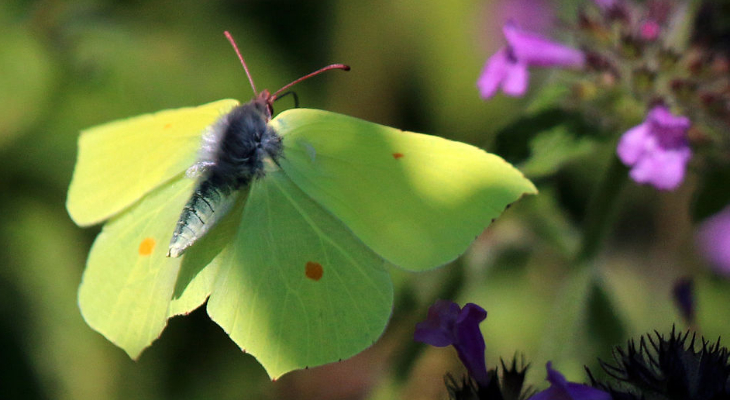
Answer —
286 225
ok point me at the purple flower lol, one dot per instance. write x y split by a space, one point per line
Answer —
657 150
649 30
561 389
684 298
447 324
713 240
539 15
508 67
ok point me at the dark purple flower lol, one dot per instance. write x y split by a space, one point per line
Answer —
680 366
657 150
561 389
713 240
684 299
508 67
447 324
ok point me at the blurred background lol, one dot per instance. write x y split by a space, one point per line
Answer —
69 65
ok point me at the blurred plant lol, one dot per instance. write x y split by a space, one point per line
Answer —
656 368
635 56
638 61
643 87
640 54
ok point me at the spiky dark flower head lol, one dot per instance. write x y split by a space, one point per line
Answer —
509 387
673 368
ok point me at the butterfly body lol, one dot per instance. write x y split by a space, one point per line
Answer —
233 153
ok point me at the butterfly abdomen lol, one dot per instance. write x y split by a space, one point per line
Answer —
205 208
233 154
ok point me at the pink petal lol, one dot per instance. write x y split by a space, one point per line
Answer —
633 144
533 49
649 30
662 169
493 73
515 80
661 116
713 240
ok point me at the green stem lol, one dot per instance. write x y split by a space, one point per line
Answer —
601 211
681 28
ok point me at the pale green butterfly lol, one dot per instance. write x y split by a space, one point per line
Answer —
303 213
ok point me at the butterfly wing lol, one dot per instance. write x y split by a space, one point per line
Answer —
416 200
130 288
119 162
296 288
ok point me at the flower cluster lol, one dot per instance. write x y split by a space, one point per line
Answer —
632 56
628 49
657 368
448 324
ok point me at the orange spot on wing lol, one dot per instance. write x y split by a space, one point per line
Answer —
397 155
146 247
313 270
167 126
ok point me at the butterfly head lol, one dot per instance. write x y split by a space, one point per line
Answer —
266 100
265 97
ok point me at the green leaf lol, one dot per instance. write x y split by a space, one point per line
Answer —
553 148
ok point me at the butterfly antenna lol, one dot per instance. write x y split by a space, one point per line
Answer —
317 72
240 57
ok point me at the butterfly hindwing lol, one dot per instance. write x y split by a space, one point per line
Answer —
130 287
295 287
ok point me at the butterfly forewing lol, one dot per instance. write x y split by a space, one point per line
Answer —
120 162
417 200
